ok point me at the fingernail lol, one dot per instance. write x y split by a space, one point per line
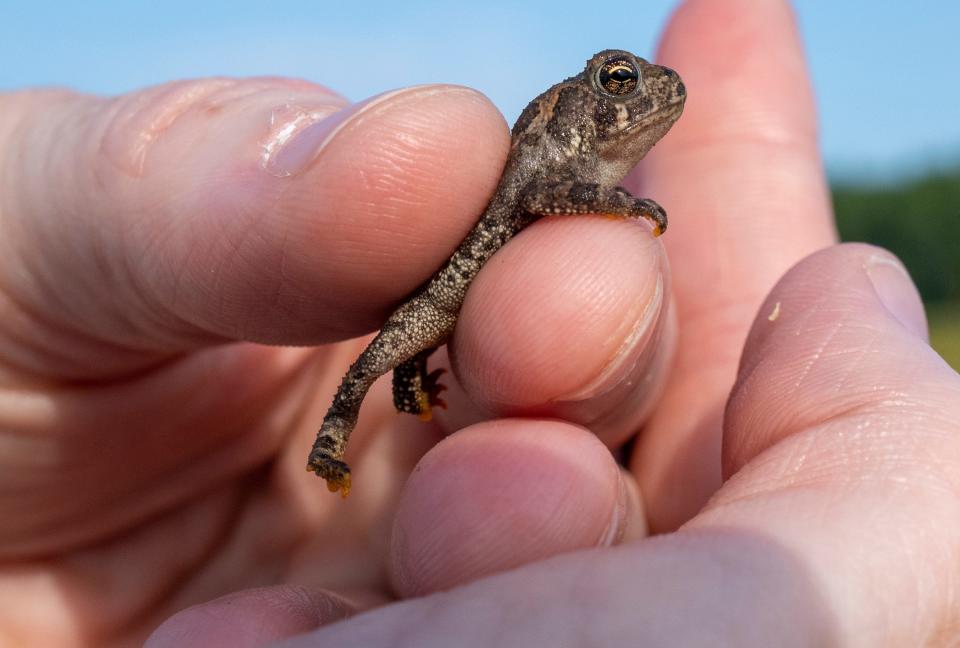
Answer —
897 293
615 528
297 136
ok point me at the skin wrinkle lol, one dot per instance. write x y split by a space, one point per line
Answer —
172 327
814 358
17 371
147 316
236 255
830 465
210 455
175 275
870 346
795 428
818 358
135 122
276 301
241 234
324 607
866 407
749 141
793 454
399 154
62 359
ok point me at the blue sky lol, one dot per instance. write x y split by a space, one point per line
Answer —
886 73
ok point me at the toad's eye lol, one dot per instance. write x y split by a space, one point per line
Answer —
618 76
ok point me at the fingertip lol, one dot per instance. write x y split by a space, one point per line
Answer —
501 494
568 321
250 618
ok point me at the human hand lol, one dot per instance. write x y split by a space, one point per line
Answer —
121 392
836 526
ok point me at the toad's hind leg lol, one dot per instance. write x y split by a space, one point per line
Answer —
414 327
415 390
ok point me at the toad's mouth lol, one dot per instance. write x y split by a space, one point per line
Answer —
669 113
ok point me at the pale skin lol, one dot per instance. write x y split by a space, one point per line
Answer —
145 467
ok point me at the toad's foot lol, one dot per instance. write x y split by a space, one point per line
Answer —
325 456
415 390
570 198
653 212
335 472
429 396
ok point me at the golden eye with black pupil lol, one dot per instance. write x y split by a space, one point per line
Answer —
618 76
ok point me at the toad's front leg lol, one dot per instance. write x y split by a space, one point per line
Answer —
572 197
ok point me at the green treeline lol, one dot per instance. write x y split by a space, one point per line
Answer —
918 220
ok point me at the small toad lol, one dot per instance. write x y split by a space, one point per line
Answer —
570 148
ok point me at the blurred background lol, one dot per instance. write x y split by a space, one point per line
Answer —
885 73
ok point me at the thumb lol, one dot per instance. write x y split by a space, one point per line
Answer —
841 444
265 210
844 332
